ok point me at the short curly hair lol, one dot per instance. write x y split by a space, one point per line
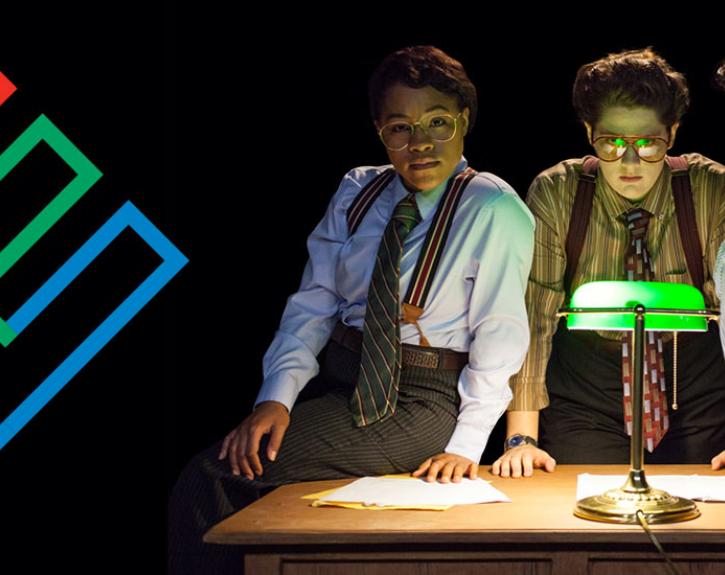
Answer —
630 78
418 67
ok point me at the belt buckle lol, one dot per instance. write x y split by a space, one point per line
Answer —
427 359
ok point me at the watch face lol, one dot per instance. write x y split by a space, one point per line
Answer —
516 440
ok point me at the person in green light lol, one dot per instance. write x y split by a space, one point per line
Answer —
630 104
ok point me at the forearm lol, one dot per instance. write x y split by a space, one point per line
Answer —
522 423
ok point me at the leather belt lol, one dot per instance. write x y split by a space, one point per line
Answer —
414 355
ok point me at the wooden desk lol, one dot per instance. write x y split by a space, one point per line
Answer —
535 534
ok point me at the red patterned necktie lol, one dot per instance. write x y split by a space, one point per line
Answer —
638 267
376 392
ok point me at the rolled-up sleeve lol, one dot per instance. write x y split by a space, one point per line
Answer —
544 296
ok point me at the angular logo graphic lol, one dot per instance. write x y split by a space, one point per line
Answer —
128 216
6 88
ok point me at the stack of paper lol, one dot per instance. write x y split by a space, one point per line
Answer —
411 493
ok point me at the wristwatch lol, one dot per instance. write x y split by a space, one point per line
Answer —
518 439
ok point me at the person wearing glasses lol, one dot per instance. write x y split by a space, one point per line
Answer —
618 215
415 282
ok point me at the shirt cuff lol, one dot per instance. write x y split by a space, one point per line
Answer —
466 440
277 388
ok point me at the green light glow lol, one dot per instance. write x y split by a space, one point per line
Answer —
652 295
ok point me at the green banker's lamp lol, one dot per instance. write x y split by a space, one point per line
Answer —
623 306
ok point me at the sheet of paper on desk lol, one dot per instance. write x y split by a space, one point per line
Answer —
386 491
702 487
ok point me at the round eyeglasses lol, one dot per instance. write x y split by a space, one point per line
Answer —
612 148
439 128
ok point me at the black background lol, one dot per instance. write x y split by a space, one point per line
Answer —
85 479
230 133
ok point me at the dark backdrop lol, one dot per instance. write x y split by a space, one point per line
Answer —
83 484
230 133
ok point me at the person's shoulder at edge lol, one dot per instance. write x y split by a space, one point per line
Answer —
700 163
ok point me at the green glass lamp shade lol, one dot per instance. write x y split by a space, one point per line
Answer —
654 296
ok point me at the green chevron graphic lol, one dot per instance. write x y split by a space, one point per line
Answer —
87 174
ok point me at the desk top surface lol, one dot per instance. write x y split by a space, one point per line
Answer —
540 511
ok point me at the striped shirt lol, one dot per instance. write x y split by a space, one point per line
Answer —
550 199
720 288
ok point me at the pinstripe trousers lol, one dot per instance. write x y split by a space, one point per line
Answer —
322 442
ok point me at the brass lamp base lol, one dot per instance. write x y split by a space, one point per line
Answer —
621 506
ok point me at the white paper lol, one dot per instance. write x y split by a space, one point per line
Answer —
702 487
386 491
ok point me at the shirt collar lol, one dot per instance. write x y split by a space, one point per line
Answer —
427 202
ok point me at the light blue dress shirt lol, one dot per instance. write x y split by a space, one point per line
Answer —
720 289
475 304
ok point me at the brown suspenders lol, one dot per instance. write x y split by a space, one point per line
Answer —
435 240
684 208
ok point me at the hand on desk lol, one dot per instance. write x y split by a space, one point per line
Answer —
242 443
450 467
718 462
524 458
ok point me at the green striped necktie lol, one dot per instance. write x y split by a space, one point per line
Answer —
376 392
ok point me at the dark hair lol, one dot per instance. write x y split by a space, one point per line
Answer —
418 67
718 78
631 78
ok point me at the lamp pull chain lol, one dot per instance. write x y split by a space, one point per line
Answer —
674 372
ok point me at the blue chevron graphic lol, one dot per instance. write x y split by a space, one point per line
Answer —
172 261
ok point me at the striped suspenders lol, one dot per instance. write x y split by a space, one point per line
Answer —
435 241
